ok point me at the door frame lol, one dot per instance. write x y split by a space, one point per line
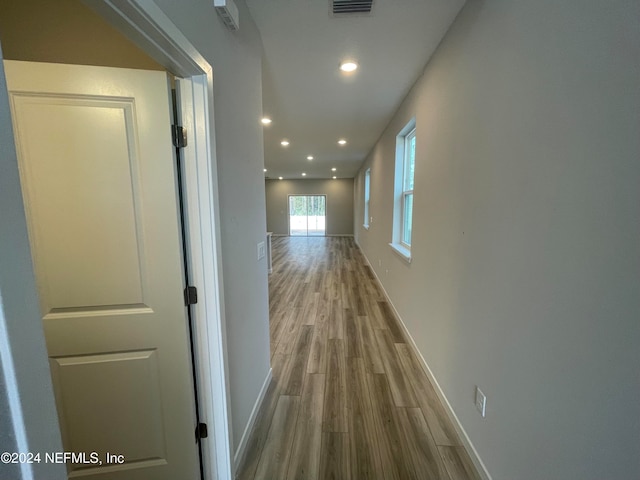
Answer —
35 423
289 195
144 23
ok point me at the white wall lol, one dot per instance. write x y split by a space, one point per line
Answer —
236 61
525 277
25 382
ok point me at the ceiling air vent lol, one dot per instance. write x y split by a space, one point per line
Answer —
228 12
347 7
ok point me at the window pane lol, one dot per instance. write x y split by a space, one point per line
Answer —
297 215
297 205
312 219
313 206
407 215
316 215
367 184
410 160
367 190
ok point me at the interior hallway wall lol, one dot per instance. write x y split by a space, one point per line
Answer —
525 272
7 433
65 31
339 194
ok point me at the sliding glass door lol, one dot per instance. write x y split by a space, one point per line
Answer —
307 215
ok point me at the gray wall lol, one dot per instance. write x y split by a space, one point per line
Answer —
339 194
236 61
525 277
7 433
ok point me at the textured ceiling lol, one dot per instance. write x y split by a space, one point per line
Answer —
313 104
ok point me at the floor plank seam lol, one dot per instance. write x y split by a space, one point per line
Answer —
379 414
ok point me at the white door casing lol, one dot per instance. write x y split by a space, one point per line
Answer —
98 179
144 23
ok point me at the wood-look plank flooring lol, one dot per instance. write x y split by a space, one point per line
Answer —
349 400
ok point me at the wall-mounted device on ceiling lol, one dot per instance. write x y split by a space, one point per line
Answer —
228 12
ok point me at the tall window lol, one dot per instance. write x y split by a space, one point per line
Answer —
407 187
403 190
367 196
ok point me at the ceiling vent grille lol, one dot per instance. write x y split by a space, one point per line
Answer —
348 7
228 12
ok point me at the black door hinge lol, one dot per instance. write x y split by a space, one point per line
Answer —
201 431
179 136
190 296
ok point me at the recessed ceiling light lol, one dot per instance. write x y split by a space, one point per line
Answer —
334 177
342 141
310 157
279 178
304 174
265 169
348 66
265 120
284 143
333 169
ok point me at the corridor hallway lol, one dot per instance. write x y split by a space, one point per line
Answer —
349 398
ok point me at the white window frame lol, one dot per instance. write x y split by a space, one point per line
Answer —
367 197
406 191
399 243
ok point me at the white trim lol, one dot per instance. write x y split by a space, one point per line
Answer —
399 192
313 236
206 271
406 191
241 451
145 24
402 251
471 450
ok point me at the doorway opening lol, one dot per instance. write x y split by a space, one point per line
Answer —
307 215
154 33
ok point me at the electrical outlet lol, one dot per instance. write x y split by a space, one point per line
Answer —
481 402
379 262
261 250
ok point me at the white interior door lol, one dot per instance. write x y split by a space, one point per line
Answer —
98 179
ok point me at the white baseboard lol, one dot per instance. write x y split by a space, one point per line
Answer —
248 430
473 453
314 236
